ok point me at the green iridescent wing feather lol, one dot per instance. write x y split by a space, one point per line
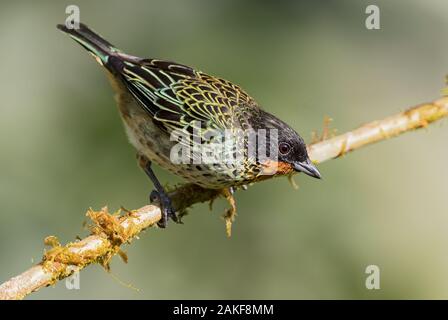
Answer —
178 97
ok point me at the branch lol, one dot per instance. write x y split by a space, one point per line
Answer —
110 231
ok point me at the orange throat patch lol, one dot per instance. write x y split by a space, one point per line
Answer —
275 168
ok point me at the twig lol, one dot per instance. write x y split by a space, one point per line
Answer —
110 231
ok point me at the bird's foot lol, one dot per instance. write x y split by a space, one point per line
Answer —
166 207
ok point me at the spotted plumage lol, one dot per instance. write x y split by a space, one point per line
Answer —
157 98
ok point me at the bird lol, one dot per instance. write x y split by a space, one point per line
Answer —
158 99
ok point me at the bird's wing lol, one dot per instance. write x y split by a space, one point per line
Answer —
180 98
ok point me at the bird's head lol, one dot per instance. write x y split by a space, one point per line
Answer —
292 153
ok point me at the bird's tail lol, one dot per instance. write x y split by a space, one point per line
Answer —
94 43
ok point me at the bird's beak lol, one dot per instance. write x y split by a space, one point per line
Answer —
308 168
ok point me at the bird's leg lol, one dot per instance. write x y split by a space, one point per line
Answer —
159 194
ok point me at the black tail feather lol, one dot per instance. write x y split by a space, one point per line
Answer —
90 40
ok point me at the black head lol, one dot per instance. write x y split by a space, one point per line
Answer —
291 147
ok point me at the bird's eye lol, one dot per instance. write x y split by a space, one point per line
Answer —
284 148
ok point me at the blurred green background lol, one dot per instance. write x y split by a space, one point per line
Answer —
63 149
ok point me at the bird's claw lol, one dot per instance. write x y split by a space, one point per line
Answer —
166 208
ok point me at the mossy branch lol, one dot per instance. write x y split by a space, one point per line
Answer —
110 231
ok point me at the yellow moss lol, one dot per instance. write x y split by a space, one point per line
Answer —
314 137
230 214
327 131
105 225
343 147
124 284
439 113
384 133
123 255
52 241
427 113
108 225
64 255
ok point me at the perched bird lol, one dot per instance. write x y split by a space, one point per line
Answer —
157 98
